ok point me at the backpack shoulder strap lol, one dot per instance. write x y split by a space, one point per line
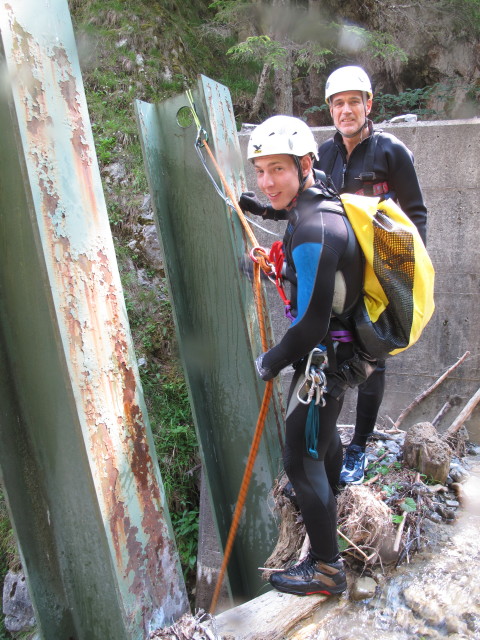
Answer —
368 162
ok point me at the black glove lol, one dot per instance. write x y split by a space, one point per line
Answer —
249 202
263 372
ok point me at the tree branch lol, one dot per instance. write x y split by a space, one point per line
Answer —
428 391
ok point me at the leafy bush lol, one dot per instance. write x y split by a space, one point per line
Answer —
388 105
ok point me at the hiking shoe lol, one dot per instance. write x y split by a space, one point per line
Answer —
311 576
353 470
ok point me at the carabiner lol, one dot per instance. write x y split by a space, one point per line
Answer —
315 379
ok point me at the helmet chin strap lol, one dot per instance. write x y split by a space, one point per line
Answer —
301 180
353 135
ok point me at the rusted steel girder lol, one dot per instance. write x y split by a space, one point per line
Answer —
215 315
76 456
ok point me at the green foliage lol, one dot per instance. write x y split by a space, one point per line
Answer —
408 505
185 525
232 12
313 56
105 147
388 105
321 109
377 469
391 489
380 44
262 48
465 15
342 544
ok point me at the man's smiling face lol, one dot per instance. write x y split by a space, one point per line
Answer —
349 111
277 177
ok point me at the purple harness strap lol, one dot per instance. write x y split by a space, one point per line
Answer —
341 336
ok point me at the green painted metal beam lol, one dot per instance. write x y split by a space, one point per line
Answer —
77 459
215 317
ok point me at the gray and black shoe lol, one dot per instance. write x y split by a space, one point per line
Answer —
353 470
311 576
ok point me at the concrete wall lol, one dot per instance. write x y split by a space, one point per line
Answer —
446 158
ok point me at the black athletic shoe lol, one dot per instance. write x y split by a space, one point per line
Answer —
311 576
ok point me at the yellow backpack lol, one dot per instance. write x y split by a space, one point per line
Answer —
398 299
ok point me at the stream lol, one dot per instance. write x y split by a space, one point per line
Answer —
436 595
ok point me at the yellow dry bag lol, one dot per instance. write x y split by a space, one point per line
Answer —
398 280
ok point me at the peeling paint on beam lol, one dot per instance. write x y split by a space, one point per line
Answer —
71 222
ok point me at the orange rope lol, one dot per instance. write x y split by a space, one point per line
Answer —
242 495
259 304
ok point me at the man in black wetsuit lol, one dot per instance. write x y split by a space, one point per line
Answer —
324 267
360 160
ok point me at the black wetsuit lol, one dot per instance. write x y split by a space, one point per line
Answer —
325 269
391 162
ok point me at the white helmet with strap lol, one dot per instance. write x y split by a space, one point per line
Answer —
348 78
282 134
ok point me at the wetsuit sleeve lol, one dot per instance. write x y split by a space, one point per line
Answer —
403 180
316 264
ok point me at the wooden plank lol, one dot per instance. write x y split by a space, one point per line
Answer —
271 616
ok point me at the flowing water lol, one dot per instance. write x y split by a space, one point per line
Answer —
436 595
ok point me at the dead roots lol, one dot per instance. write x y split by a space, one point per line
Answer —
188 627
366 521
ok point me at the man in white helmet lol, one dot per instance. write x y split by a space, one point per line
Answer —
324 267
372 163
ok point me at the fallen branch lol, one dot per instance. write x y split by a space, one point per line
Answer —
463 416
428 391
398 538
352 544
304 549
443 412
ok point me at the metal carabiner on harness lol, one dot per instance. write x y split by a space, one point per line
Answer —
315 379
260 256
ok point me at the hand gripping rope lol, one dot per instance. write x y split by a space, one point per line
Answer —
261 262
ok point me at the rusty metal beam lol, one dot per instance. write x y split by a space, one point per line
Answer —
215 316
76 453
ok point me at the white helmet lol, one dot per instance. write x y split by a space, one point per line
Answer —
282 134
348 79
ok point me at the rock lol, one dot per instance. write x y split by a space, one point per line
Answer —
424 605
17 606
115 173
434 517
452 503
458 473
151 246
363 588
425 451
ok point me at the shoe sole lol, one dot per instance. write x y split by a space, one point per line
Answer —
352 481
326 592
